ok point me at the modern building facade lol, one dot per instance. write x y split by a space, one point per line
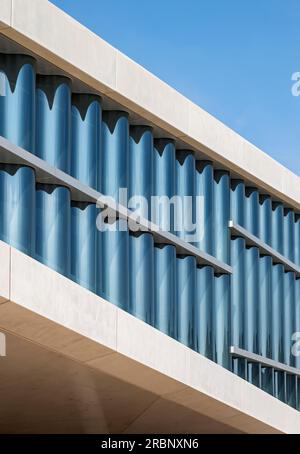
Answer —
79 121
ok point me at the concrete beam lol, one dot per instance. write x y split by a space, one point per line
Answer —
59 315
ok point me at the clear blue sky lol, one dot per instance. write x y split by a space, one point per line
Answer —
234 58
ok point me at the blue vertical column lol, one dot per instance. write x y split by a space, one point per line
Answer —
252 211
237 205
53 209
86 139
164 183
205 204
186 191
297 239
17 207
141 169
252 302
203 342
221 215
186 296
113 241
288 321
53 121
238 297
276 326
17 100
83 244
278 297
277 226
141 252
289 235
297 346
265 285
165 289
221 321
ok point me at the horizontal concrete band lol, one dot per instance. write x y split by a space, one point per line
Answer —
60 315
45 173
77 51
264 249
263 361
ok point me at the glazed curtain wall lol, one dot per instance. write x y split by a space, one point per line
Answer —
257 308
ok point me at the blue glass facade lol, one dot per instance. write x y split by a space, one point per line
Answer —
257 308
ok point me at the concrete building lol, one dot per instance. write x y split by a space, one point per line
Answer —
123 331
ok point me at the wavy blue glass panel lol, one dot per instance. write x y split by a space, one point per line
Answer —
265 219
17 100
112 278
288 317
252 211
276 326
164 183
221 215
277 227
186 295
83 244
141 169
264 317
53 218
291 386
289 234
17 207
203 342
237 301
221 321
237 195
205 192
86 139
53 121
252 302
165 288
297 320
141 252
114 154
297 239
185 214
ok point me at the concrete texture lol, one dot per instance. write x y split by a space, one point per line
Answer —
76 50
86 332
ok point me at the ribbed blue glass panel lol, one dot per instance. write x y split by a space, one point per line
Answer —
277 227
186 191
141 169
221 215
290 385
205 192
264 317
265 219
276 326
237 301
237 194
17 100
17 207
297 320
86 139
297 240
252 303
113 265
164 182
288 317
289 235
114 153
53 217
203 311
165 288
83 244
53 121
221 321
141 250
252 211
186 295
